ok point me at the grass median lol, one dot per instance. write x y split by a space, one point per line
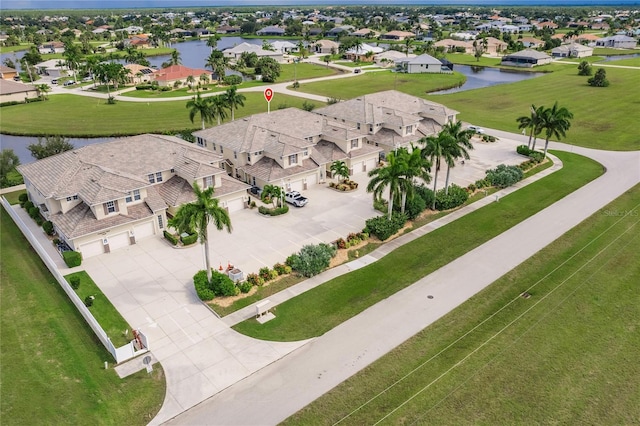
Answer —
564 355
52 363
80 116
345 296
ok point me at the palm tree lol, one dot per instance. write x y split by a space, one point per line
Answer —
212 41
340 169
175 58
434 150
555 121
218 105
273 193
201 106
537 125
456 147
197 215
414 166
529 122
218 63
190 81
390 176
234 100
407 44
43 89
204 79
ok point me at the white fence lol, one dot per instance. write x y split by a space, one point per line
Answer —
119 354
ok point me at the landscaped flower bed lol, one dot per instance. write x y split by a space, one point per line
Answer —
344 186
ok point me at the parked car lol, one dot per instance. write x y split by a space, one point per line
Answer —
16 78
69 83
295 198
255 190
357 71
54 81
476 129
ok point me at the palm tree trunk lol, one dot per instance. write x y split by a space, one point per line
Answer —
533 148
390 209
435 182
446 182
207 261
202 122
530 137
232 114
404 201
546 145
218 120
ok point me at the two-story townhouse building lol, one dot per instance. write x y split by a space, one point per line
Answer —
106 196
290 148
390 119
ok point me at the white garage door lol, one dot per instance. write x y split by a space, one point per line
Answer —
143 230
356 167
297 185
312 180
235 205
371 164
91 249
118 241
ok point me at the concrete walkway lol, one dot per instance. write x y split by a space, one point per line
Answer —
284 387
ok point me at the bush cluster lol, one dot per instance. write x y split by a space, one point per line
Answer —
171 238
345 185
27 205
503 176
245 287
267 274
72 258
489 138
352 240
455 197
282 269
523 150
23 198
273 211
232 80
383 227
536 156
74 282
255 279
48 227
189 239
220 285
312 259
482 183
201 284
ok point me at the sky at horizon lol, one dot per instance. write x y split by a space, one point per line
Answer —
131 4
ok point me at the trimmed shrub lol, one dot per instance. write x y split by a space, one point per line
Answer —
232 80
88 301
503 176
341 244
274 211
23 198
245 287
190 239
282 269
265 274
471 187
383 227
481 183
536 156
426 194
48 227
222 285
144 87
171 238
74 282
523 150
291 260
27 205
72 258
454 198
414 207
255 279
203 288
313 259
489 138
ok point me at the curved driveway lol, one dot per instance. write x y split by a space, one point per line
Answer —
286 386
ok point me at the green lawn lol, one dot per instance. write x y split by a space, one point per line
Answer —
103 311
566 355
631 62
12 197
72 115
303 70
347 295
607 51
9 49
607 123
414 84
52 363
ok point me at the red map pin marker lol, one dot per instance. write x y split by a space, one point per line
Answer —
268 94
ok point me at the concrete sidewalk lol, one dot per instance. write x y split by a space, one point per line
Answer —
284 387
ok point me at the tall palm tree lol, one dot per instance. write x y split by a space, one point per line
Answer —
537 125
199 105
434 149
408 42
197 215
204 79
340 169
414 166
530 122
175 58
42 90
234 100
457 146
218 105
555 122
389 176
212 41
190 81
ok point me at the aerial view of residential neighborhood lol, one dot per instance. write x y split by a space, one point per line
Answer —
319 213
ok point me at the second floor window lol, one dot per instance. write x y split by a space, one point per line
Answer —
152 178
159 177
208 181
293 159
111 206
354 143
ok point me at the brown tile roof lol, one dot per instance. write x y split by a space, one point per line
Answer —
8 87
176 191
80 220
108 171
269 170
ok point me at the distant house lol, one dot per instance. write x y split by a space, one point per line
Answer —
335 31
364 33
7 73
138 41
397 35
572 50
494 46
326 46
451 45
531 43
179 32
52 68
420 64
227 29
139 73
284 46
236 51
201 32
617 42
270 31
526 58
178 73
51 47
389 57
364 53
12 91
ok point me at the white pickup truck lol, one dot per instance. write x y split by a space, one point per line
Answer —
295 198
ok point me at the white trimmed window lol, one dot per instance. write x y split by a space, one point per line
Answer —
160 222
208 181
152 178
111 206
158 176
354 143
293 159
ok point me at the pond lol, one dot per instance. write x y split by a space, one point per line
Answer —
479 77
19 145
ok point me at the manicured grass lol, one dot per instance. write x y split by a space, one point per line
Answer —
52 363
347 295
12 197
568 360
303 70
414 84
9 49
72 115
608 51
631 62
103 311
605 124
185 91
